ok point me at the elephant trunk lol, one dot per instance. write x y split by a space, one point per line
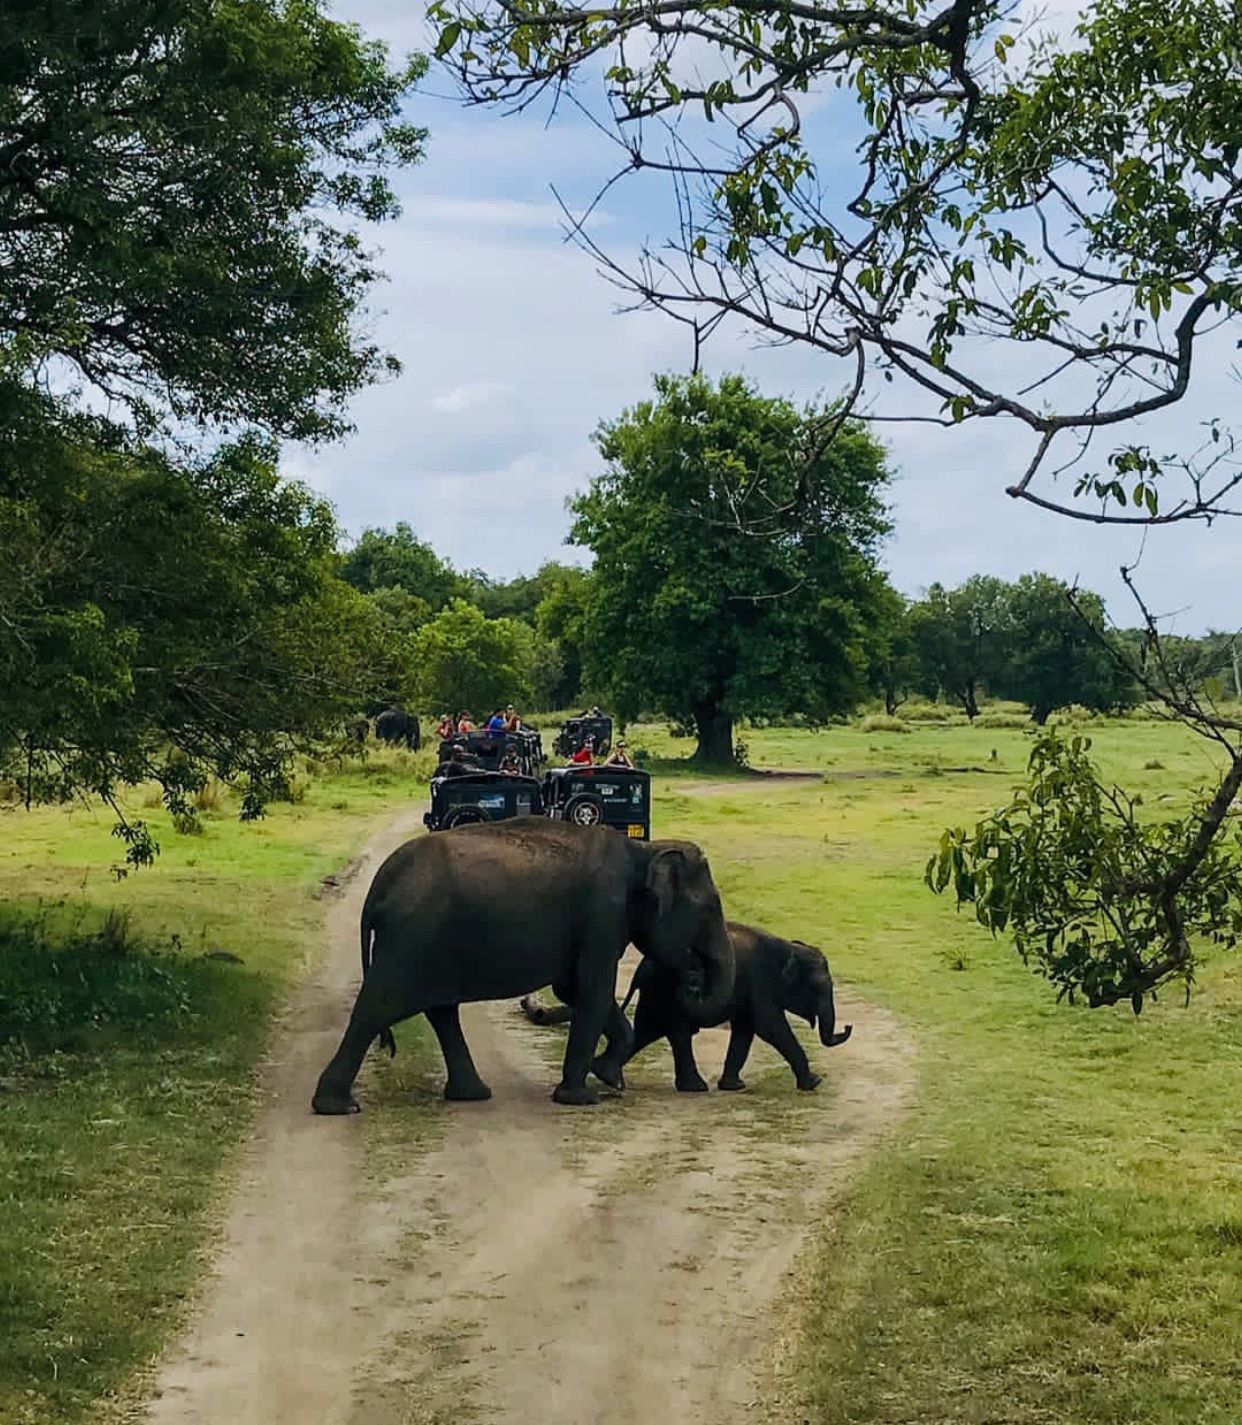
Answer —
828 1022
711 1004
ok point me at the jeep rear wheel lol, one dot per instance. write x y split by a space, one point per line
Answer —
584 811
465 816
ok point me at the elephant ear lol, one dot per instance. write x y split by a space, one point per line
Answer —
802 963
665 876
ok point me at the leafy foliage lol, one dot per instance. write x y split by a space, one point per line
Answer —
398 559
161 621
173 175
467 661
962 636
1097 899
1058 652
703 624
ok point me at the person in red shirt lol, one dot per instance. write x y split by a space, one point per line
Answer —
585 755
463 722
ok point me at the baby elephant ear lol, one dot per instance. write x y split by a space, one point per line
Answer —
792 972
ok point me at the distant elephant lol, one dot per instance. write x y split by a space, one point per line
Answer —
356 730
499 909
772 976
397 725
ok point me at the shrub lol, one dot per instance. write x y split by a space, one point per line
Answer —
882 723
56 991
1002 720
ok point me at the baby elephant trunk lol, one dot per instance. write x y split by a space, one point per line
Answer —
828 1022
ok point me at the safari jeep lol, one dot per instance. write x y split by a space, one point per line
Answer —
600 796
480 796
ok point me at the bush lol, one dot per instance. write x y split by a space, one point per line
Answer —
1002 720
882 723
57 991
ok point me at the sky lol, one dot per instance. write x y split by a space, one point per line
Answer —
513 350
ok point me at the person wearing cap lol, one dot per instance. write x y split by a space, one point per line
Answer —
585 755
620 757
446 727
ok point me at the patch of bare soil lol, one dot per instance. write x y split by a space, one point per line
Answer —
541 1265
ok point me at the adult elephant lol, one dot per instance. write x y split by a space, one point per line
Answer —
397 725
499 909
773 977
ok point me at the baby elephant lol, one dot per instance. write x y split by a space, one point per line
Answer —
774 976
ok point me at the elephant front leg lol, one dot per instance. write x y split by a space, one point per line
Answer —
464 1084
593 1002
777 1033
620 1040
686 1074
741 1037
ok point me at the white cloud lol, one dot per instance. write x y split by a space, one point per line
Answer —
465 398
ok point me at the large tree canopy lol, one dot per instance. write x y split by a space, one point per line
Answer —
176 179
398 559
161 622
687 618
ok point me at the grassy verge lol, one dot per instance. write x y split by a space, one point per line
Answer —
128 1038
1055 1233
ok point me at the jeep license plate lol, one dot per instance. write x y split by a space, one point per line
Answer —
635 831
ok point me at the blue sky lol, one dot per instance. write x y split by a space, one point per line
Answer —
513 350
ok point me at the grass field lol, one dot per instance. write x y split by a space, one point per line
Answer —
116 1124
1054 1233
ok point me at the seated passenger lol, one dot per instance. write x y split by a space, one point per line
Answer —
585 755
620 757
463 722
445 728
512 721
496 723
457 765
509 763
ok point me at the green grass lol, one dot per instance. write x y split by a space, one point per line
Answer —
126 1078
1054 1233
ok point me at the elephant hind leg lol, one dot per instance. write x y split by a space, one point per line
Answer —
464 1084
334 1091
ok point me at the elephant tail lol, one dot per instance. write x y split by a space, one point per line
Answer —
385 1036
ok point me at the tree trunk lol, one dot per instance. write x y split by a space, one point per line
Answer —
715 731
970 704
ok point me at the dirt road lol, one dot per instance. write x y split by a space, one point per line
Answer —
539 1265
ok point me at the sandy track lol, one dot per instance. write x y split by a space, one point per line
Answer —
542 1265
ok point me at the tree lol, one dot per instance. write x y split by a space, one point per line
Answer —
1059 652
561 622
398 559
1042 233
174 176
161 622
399 616
1080 202
896 669
962 638
466 660
689 619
